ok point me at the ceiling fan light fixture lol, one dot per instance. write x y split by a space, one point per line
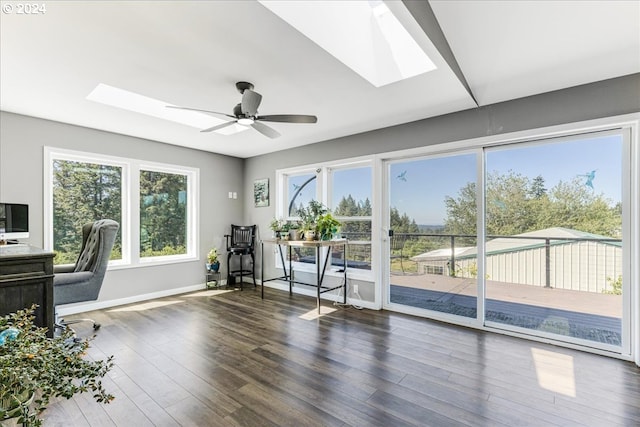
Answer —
246 121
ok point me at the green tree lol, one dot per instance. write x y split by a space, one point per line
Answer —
516 204
401 223
538 189
163 213
82 193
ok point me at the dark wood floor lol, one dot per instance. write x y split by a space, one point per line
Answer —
235 360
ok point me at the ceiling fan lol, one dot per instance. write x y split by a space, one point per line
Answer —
246 113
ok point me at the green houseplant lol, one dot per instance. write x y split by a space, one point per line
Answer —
35 368
317 221
327 226
279 227
213 263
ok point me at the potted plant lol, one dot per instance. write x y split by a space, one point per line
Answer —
294 230
35 368
276 226
327 226
213 264
311 216
284 230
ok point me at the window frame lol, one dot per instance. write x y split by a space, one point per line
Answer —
130 204
324 194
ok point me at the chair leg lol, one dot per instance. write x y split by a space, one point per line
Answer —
253 269
241 273
228 269
65 325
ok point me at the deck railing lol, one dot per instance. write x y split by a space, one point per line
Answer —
580 263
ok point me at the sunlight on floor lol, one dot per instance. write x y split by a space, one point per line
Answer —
147 305
555 371
209 293
313 314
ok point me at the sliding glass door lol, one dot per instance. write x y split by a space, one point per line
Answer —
554 245
428 232
553 262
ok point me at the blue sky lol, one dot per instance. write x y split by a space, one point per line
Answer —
419 187
429 181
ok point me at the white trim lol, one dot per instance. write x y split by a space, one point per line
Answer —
130 204
481 285
634 238
630 351
567 129
324 181
67 309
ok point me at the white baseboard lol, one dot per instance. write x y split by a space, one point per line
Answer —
82 307
310 291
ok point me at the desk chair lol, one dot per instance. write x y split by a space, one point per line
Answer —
83 280
241 242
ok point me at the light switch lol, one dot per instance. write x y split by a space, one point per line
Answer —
235 195
230 195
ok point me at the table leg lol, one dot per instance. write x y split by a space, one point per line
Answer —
318 282
290 273
262 269
344 254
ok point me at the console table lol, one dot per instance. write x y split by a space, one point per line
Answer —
321 264
26 277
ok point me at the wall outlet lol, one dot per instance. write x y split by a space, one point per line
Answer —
355 289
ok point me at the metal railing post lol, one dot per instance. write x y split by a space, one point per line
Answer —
547 262
452 267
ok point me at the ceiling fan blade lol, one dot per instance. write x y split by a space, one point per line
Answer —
250 102
265 130
223 125
289 118
199 110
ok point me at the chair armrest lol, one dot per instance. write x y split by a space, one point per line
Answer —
66 268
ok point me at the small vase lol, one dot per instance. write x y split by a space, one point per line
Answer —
215 266
309 236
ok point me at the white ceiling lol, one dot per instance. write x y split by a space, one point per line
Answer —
192 52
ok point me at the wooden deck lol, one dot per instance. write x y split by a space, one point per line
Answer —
584 315
215 358
562 299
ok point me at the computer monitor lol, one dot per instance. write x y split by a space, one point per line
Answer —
14 222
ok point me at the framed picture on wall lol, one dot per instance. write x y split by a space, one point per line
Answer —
261 192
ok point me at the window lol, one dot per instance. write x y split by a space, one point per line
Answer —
83 192
300 190
351 205
85 187
554 237
163 213
345 190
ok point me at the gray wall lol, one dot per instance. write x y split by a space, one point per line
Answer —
21 165
22 140
601 99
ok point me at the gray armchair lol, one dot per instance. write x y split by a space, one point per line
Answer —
83 280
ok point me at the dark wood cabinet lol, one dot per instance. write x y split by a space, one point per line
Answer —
26 277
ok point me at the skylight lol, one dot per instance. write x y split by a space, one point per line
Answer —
364 35
131 101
